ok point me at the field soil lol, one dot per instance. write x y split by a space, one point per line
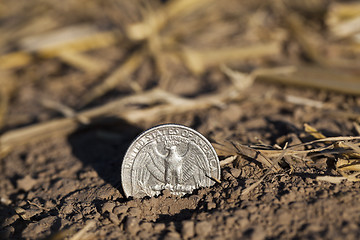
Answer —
68 183
262 76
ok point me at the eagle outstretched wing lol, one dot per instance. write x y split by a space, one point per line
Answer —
194 161
151 159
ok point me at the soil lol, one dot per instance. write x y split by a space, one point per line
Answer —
65 183
69 187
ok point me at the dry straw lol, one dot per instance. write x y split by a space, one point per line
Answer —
240 34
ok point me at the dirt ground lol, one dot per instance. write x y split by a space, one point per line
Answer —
66 183
67 186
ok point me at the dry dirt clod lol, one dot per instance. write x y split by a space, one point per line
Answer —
131 225
203 228
216 195
5 200
26 183
146 226
10 220
108 207
235 172
166 193
143 235
114 219
134 211
120 209
67 208
158 227
210 205
40 227
7 232
76 217
26 214
258 234
172 236
242 222
187 230
121 217
230 220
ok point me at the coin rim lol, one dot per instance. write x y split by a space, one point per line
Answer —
160 126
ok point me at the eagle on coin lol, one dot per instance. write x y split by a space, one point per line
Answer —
174 169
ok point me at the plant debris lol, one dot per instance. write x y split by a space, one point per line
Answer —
273 85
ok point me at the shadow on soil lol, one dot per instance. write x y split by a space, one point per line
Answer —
103 147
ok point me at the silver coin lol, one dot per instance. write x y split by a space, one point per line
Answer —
168 156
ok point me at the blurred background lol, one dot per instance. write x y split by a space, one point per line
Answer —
59 58
80 79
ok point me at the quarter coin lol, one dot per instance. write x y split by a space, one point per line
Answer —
168 156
